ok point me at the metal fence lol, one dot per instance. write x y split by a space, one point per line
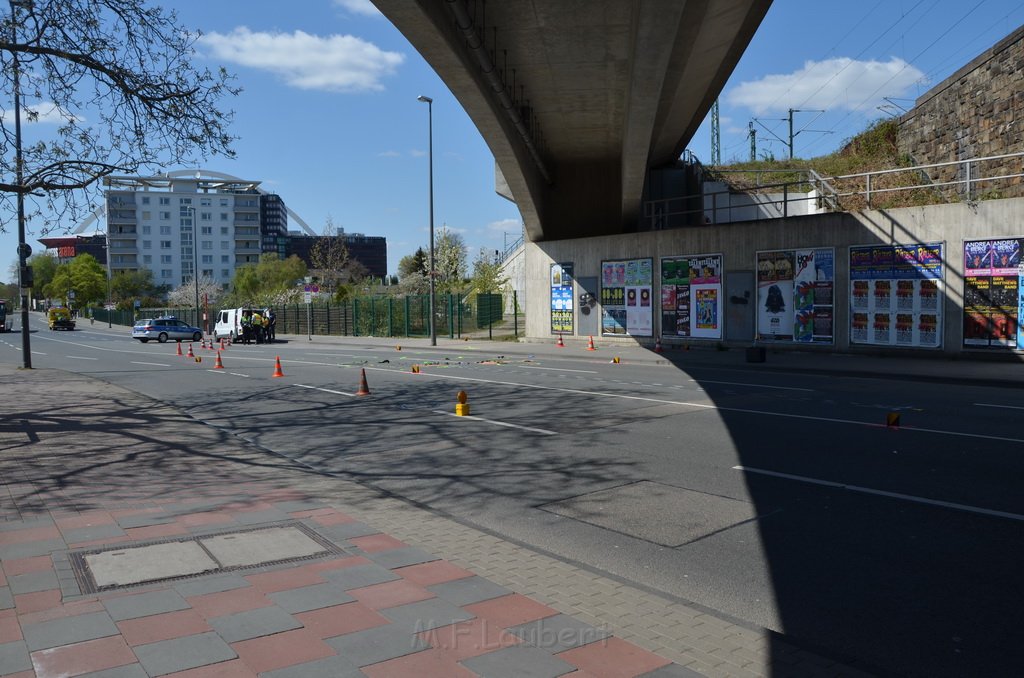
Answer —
407 316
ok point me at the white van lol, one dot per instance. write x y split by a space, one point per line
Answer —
229 323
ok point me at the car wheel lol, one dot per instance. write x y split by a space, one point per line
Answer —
198 336
162 338
143 340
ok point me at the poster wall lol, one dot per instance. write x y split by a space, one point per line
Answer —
561 299
993 301
691 296
627 307
895 295
795 295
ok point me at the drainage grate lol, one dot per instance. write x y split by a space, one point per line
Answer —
121 566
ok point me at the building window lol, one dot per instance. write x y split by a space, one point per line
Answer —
147 244
165 201
225 273
207 258
146 216
165 258
165 216
147 258
205 202
165 230
223 202
185 201
205 216
207 244
145 200
223 244
223 216
165 244
207 230
223 230
225 259
165 273
208 272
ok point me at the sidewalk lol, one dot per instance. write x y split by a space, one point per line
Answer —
298 575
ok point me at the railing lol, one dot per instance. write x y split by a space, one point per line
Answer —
811 193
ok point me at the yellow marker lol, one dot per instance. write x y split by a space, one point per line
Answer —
892 420
461 407
615 360
415 369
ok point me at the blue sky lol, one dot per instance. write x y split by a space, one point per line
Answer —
329 118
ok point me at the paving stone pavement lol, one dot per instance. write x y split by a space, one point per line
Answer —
86 466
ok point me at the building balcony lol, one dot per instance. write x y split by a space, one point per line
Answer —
121 217
248 249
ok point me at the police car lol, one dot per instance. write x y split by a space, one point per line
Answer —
163 329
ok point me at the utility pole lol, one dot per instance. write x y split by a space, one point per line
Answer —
752 133
716 136
792 135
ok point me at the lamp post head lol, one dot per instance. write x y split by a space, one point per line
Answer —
424 99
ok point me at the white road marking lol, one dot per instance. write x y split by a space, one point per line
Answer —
884 493
133 362
238 374
706 406
498 423
80 357
1008 407
326 390
557 369
737 383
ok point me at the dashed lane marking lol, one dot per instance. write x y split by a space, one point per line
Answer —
497 423
325 390
134 362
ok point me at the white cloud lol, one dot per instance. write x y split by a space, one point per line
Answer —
363 7
509 225
44 112
338 63
417 153
389 154
830 84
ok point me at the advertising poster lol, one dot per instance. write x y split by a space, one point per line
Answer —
795 291
691 296
993 305
894 295
561 298
627 289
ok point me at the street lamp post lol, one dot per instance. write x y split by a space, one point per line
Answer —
430 157
195 259
23 248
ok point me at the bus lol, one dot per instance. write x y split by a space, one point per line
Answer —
5 323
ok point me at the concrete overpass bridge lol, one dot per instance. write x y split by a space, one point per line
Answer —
579 99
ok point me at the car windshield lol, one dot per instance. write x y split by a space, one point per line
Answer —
143 323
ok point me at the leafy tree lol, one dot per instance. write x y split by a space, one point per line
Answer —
10 292
44 266
185 295
413 283
116 79
417 262
127 286
449 261
271 281
488 276
84 276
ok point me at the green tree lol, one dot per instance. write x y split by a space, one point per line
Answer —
128 286
118 77
271 281
413 263
44 266
84 276
488 276
449 261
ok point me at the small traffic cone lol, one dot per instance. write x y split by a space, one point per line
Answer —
190 353
590 344
277 367
179 349
657 345
363 388
218 365
560 344
222 345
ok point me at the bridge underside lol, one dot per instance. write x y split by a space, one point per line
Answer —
577 99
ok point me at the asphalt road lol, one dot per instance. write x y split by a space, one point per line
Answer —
779 499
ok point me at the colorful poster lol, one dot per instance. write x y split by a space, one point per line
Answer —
692 282
627 287
896 289
993 306
562 298
795 291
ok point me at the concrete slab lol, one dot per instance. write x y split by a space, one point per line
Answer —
68 630
180 654
6 598
426 615
558 634
672 671
30 582
658 513
394 558
211 584
468 590
14 657
125 566
331 667
82 534
127 671
359 576
518 662
262 621
29 549
274 515
309 598
261 546
363 648
144 604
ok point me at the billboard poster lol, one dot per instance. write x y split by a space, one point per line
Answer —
993 305
627 303
561 298
691 296
894 295
795 292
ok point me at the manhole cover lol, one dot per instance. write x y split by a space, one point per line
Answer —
120 566
663 514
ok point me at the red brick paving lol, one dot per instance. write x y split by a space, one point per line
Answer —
282 580
79 658
223 603
156 531
35 602
613 658
510 610
269 653
31 534
206 518
165 626
78 520
10 629
333 518
69 609
335 564
235 668
328 622
391 594
426 664
434 572
25 565
375 543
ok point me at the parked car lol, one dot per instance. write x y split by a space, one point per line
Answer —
163 329
59 318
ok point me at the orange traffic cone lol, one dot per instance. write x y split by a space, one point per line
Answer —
560 344
590 344
277 367
179 349
190 353
223 345
657 345
218 365
363 388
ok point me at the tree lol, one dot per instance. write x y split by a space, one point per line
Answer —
44 266
84 276
416 262
128 286
488 276
329 258
185 295
449 261
271 281
116 80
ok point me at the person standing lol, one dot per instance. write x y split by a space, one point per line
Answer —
257 326
271 325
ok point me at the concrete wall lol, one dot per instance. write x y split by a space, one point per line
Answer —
950 224
976 112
